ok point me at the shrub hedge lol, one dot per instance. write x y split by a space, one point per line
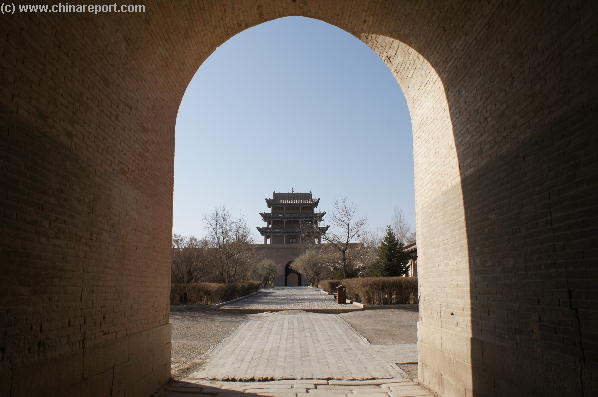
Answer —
329 285
209 293
376 290
382 290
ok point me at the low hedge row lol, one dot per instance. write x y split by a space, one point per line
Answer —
376 290
209 293
329 285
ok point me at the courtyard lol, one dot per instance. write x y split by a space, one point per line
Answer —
253 345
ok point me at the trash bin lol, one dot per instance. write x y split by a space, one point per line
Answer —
341 294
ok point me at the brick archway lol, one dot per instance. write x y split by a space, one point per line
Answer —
503 137
292 278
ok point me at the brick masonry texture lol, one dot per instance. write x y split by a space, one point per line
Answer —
503 108
280 255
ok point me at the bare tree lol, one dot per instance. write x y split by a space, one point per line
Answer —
346 228
365 253
370 239
401 228
231 242
266 272
315 263
188 259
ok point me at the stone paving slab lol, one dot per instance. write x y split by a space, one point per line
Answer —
296 345
317 387
289 298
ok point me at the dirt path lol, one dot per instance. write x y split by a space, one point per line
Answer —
386 326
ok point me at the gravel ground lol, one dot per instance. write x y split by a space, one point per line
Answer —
195 331
388 327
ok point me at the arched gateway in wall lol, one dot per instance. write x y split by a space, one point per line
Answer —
292 278
505 171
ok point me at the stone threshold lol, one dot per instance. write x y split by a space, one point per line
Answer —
296 388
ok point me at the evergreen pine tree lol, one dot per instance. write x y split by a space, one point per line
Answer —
392 259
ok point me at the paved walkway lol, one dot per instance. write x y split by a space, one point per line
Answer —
289 298
296 345
287 351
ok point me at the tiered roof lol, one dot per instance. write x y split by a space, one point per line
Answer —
268 230
291 198
268 215
302 222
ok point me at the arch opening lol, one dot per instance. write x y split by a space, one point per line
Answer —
292 277
440 219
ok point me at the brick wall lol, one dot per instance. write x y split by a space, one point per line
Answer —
503 112
87 171
280 255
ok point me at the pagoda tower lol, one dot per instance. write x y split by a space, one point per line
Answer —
292 219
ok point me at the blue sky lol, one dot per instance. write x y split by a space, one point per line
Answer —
292 103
